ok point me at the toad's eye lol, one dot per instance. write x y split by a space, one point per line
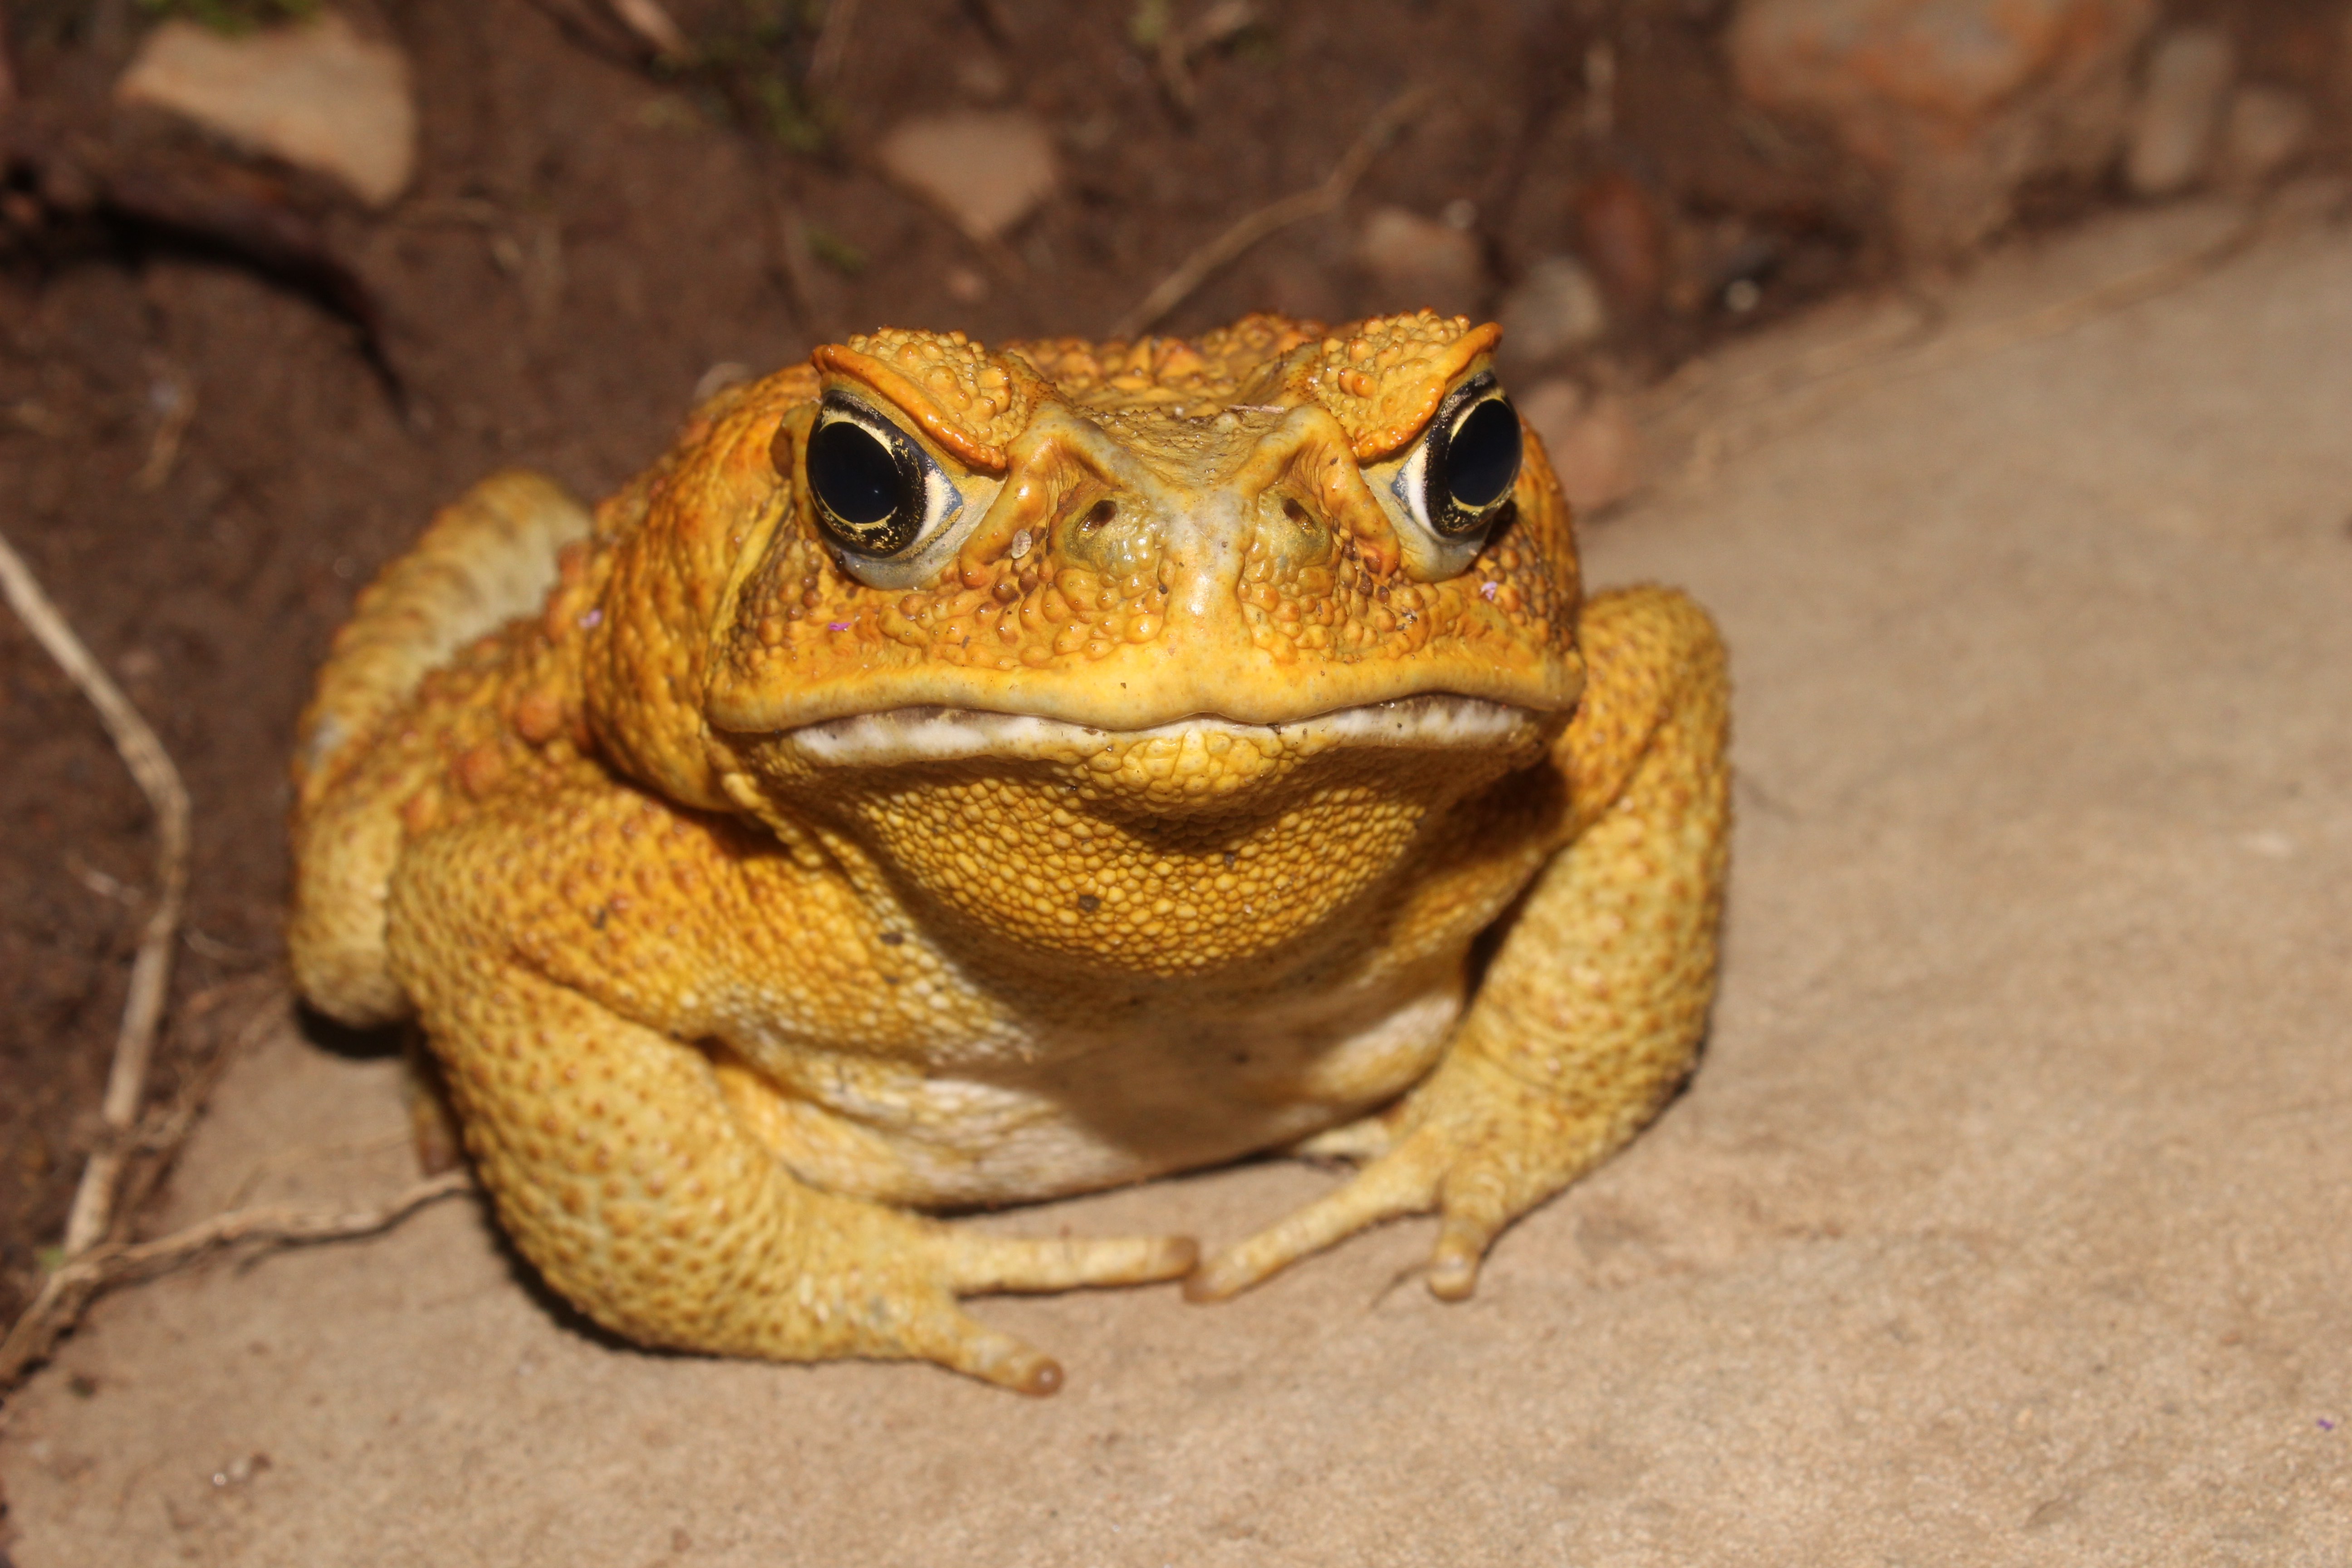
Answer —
1457 480
859 478
1481 462
877 493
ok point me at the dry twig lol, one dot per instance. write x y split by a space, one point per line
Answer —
652 27
174 397
595 28
66 1292
151 971
1336 187
166 1126
831 44
1174 47
277 226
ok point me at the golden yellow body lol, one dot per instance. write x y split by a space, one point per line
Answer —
761 877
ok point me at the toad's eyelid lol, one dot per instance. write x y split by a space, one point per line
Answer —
1406 483
1433 552
1457 402
1459 405
943 501
839 405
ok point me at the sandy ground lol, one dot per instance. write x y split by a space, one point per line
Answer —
2003 1222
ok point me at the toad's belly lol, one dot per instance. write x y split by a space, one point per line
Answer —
1088 1111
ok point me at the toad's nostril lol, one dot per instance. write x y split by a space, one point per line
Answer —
1101 512
1295 512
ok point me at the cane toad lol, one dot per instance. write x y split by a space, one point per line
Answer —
954 777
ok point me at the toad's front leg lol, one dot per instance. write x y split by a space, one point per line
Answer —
624 1176
1591 1012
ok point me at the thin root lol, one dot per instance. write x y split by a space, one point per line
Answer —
1178 284
151 971
65 1293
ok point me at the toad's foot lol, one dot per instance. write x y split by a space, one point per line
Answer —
1356 1142
1473 1144
923 1321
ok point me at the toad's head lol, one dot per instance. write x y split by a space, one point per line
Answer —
1155 654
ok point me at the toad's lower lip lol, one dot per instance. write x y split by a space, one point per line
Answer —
1440 722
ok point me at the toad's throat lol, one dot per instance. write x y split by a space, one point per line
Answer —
1437 722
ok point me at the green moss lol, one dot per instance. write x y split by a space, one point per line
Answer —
834 251
752 70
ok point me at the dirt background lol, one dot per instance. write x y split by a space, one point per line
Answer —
588 238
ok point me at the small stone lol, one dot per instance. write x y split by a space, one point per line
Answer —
1594 446
966 286
983 78
2179 109
2267 127
986 171
1421 262
720 377
313 94
1957 102
1555 309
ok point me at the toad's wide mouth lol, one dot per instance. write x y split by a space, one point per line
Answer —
1436 721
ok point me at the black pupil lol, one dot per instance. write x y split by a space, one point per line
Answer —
1482 456
853 473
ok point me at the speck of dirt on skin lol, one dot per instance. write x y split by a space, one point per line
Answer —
1088 903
